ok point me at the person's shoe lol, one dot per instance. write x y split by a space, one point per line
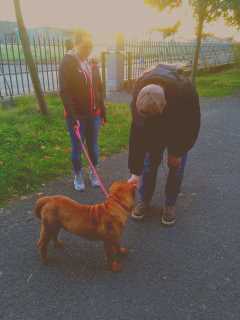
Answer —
169 215
93 180
79 184
140 210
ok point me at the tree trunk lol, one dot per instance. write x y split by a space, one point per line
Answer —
29 59
198 47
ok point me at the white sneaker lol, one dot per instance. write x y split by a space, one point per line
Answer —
79 184
93 180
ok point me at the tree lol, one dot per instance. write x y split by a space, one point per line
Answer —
233 15
206 35
29 59
169 31
204 11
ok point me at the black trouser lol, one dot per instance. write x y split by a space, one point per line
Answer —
149 176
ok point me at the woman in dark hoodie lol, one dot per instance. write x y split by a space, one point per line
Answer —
82 95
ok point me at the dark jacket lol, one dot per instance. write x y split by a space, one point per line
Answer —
176 129
74 88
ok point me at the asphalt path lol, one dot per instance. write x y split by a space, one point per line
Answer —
189 271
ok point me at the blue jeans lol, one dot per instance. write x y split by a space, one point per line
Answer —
149 176
89 129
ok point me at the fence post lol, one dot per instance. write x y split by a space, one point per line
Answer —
115 66
130 66
103 69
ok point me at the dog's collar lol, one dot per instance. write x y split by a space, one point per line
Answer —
122 205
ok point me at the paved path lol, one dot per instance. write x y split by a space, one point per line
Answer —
188 272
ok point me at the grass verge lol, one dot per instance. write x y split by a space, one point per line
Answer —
220 84
35 149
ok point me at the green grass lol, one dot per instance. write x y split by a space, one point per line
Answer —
220 84
35 149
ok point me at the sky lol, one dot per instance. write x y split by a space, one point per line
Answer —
103 18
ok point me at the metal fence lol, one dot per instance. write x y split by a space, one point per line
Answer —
47 53
138 55
14 74
142 55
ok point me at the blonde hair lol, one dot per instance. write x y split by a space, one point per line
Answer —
79 35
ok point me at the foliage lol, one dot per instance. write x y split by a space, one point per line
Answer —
209 10
170 31
232 14
163 4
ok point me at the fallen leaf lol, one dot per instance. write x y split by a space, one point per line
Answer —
29 278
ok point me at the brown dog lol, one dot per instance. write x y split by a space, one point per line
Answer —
103 221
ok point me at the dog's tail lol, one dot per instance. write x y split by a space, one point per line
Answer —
39 205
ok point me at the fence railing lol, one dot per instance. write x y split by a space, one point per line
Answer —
47 53
138 55
142 55
14 73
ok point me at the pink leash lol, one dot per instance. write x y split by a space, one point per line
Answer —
77 132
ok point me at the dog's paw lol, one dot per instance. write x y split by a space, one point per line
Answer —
116 266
